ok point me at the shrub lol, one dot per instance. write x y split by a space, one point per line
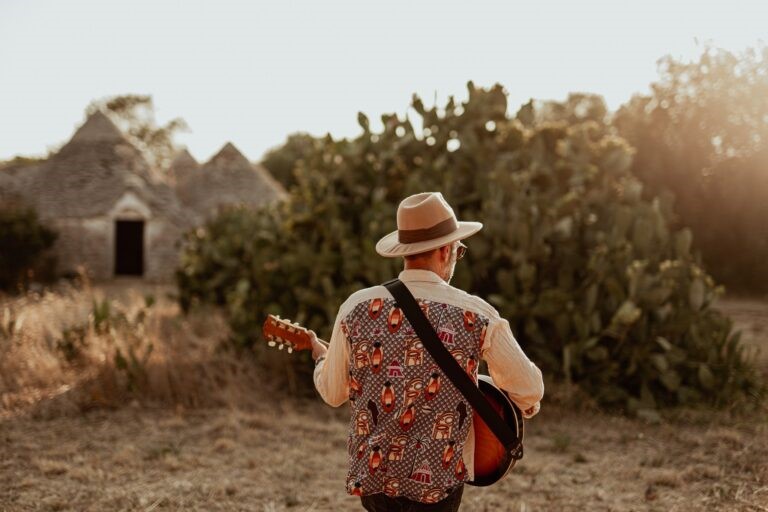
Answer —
598 289
281 161
23 240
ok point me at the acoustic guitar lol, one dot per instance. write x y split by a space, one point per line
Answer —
492 459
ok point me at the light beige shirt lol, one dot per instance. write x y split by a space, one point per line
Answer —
509 367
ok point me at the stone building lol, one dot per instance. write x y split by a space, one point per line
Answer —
182 167
114 216
229 174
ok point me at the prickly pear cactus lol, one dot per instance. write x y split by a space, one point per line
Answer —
598 288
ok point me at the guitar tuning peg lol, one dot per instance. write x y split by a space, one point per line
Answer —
290 350
271 343
280 347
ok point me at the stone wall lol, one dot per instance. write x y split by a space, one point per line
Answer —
90 242
161 253
84 242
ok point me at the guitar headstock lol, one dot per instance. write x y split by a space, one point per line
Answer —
281 332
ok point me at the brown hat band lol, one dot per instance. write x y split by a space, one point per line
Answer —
412 236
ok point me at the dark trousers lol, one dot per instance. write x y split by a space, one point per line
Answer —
383 503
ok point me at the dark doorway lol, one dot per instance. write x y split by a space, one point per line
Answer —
129 247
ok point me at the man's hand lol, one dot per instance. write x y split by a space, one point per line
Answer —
531 411
319 349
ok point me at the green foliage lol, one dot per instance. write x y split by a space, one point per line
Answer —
102 315
702 135
133 365
23 240
597 287
282 160
132 349
72 342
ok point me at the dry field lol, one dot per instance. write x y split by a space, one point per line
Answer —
750 316
72 439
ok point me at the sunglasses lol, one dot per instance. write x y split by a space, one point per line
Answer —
461 250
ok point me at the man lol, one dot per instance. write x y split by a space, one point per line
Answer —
410 443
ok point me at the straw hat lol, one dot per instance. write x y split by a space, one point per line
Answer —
424 222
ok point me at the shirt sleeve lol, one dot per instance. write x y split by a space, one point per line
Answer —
511 369
332 373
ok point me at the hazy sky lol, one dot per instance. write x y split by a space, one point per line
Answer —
254 71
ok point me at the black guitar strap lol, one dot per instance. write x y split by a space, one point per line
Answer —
449 365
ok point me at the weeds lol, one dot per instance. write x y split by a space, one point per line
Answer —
9 323
134 366
72 343
80 347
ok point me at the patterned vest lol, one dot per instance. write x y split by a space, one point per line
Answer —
409 423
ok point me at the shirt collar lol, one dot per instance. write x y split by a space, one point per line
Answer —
419 275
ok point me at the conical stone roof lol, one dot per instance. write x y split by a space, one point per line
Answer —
228 178
98 127
229 158
87 176
8 188
183 166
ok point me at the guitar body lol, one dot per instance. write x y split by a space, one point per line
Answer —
492 460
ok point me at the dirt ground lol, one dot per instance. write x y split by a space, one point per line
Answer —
292 457
283 455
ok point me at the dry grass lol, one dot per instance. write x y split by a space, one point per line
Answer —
199 430
290 455
78 348
750 317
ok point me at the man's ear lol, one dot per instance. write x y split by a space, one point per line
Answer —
445 253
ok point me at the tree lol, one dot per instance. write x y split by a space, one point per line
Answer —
135 116
702 134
